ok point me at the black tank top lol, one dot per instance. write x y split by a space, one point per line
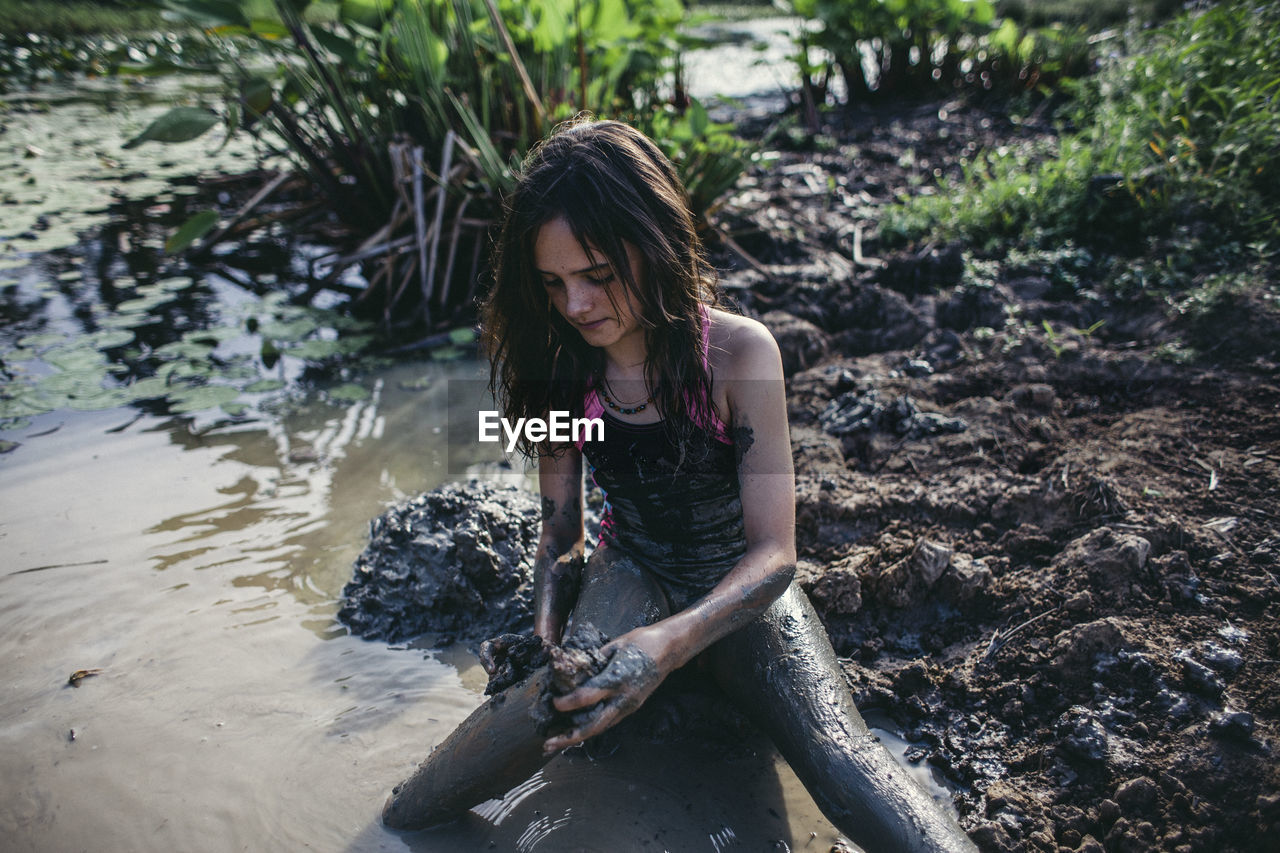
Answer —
673 506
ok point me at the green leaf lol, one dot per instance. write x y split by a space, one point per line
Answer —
263 386
210 12
110 338
349 393
180 124
346 50
446 354
192 350
462 337
75 358
190 231
40 341
316 350
150 388
370 13
201 397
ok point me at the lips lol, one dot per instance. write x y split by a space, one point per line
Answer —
587 327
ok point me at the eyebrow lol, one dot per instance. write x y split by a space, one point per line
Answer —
603 265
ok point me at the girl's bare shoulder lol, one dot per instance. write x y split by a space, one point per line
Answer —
742 348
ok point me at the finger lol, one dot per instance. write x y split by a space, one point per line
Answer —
583 697
488 650
596 724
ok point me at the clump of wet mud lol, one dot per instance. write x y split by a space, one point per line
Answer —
578 658
1051 555
455 562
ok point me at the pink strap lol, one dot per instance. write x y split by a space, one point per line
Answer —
704 414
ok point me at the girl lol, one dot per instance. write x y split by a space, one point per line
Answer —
603 306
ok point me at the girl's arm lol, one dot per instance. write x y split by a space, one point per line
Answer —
642 658
557 565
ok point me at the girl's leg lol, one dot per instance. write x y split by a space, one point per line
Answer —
497 747
782 671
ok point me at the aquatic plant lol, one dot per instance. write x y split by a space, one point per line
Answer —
410 116
145 350
897 48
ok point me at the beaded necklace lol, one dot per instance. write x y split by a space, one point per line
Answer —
623 409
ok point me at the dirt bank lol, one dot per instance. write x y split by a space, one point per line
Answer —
1050 554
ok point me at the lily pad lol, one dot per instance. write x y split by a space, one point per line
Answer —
73 382
142 304
39 341
171 285
110 338
148 389
109 398
7 446
180 124
348 393
263 386
447 354
201 397
315 350
290 330
20 354
193 350
76 357
21 407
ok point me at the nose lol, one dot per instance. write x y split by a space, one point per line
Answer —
578 300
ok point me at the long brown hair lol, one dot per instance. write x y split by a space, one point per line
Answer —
612 186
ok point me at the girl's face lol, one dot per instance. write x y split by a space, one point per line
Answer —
585 288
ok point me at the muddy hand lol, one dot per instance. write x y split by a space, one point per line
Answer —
621 687
493 652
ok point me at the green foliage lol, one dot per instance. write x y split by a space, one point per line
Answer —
1181 129
400 109
180 124
906 47
711 157
193 229
346 79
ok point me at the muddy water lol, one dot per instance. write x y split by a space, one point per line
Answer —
199 572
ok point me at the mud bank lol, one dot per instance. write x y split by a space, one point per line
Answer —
455 563
1050 554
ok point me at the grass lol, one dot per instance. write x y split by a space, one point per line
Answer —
77 18
1178 131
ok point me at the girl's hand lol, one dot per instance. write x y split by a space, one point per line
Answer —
627 680
510 658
